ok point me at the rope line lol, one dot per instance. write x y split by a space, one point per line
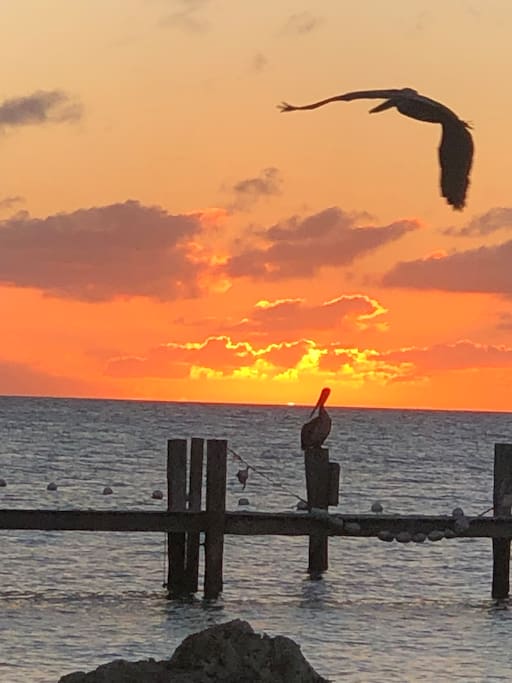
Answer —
274 482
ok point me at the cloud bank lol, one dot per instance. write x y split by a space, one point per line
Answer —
286 316
486 270
300 247
102 253
221 357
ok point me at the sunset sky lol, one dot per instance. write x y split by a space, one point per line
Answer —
166 233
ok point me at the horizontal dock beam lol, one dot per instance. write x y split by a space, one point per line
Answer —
251 523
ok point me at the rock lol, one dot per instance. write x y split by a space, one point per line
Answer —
107 491
52 486
157 494
3 482
377 506
225 653
121 671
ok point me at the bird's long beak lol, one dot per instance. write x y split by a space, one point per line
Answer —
381 107
324 395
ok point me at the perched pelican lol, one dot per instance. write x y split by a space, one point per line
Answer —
243 476
456 148
316 431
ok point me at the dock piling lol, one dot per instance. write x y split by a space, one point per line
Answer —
194 505
502 499
216 463
176 502
316 461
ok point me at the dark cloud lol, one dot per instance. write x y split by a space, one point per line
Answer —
485 224
300 247
40 107
250 190
188 16
486 269
302 22
101 253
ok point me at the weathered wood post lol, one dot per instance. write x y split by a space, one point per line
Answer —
216 461
176 501
502 500
334 483
194 505
316 461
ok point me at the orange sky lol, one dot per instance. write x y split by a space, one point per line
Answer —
166 233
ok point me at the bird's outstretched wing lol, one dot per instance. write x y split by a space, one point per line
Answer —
349 96
455 157
456 148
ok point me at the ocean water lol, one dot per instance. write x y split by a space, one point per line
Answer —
383 612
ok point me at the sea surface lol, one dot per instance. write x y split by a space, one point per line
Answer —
383 612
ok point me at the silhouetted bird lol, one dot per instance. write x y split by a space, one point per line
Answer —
456 148
243 476
316 431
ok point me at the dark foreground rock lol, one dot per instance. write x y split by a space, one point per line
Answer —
227 653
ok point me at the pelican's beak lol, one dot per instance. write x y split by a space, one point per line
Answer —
381 107
324 395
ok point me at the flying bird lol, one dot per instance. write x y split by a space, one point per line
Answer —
456 148
316 431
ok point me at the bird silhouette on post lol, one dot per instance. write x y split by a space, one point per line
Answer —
456 148
316 431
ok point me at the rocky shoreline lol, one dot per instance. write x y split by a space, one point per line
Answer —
226 653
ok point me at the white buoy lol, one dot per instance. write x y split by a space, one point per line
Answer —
243 501
435 535
419 537
3 482
107 491
52 486
157 494
404 537
457 512
385 535
377 507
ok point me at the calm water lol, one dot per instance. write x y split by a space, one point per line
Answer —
384 612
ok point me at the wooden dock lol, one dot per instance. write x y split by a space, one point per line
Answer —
184 521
